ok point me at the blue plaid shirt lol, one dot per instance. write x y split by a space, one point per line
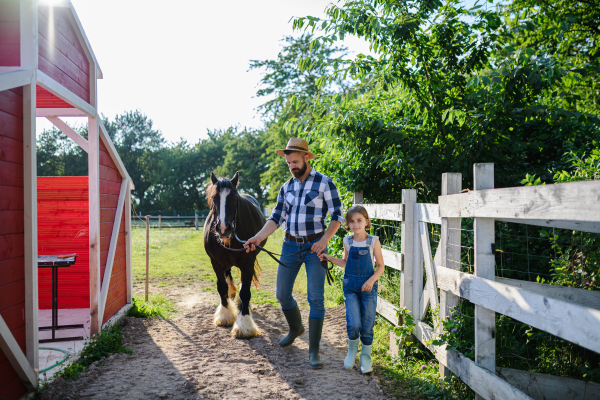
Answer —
304 206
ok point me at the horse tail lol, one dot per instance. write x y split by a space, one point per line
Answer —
256 274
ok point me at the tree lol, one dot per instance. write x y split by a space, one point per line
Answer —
445 92
245 154
283 82
139 146
58 155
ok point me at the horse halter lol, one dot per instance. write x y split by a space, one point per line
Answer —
271 254
214 207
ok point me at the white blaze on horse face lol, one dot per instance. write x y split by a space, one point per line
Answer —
223 196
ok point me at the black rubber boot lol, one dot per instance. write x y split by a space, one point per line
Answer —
315 328
294 320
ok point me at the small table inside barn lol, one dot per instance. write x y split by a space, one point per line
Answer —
56 262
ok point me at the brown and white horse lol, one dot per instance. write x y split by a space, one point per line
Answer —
232 212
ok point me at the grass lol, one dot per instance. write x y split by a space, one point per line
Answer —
157 305
414 374
177 258
99 346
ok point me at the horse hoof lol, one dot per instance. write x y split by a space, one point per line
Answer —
244 327
225 316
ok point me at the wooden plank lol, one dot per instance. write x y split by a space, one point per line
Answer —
429 269
110 174
549 387
425 296
583 297
358 197
417 287
64 44
12 246
571 201
64 79
387 310
9 80
112 151
11 126
428 213
70 132
11 174
63 93
114 307
392 259
11 150
94 223
128 252
109 187
593 227
391 212
572 322
12 222
12 270
450 242
55 55
15 356
484 237
60 112
83 40
12 198
113 246
487 384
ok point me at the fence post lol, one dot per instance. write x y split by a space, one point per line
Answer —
407 240
358 197
417 273
147 252
159 222
196 218
450 242
484 238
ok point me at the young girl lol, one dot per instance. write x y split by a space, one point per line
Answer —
360 285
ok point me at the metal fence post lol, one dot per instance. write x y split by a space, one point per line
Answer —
159 222
196 218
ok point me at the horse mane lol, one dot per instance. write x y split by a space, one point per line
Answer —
211 190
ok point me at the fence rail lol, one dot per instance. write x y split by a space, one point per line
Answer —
569 313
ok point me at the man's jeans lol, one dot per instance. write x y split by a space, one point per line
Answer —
315 278
360 310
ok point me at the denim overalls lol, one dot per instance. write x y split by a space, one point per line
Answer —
360 306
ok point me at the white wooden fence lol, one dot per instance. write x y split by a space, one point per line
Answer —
569 313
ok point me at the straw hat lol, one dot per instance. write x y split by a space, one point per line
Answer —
296 144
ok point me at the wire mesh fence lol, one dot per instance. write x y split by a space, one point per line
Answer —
535 254
165 222
389 233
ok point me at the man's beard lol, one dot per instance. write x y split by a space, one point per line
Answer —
299 172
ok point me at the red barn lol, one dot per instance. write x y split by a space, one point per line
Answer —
48 69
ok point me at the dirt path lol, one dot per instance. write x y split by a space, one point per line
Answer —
189 358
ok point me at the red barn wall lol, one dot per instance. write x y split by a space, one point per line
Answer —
12 233
63 228
110 186
61 55
10 48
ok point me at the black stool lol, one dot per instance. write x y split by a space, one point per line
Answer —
56 262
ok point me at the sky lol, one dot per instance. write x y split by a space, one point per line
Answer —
185 63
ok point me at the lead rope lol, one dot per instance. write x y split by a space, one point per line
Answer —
324 263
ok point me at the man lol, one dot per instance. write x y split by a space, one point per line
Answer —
302 205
